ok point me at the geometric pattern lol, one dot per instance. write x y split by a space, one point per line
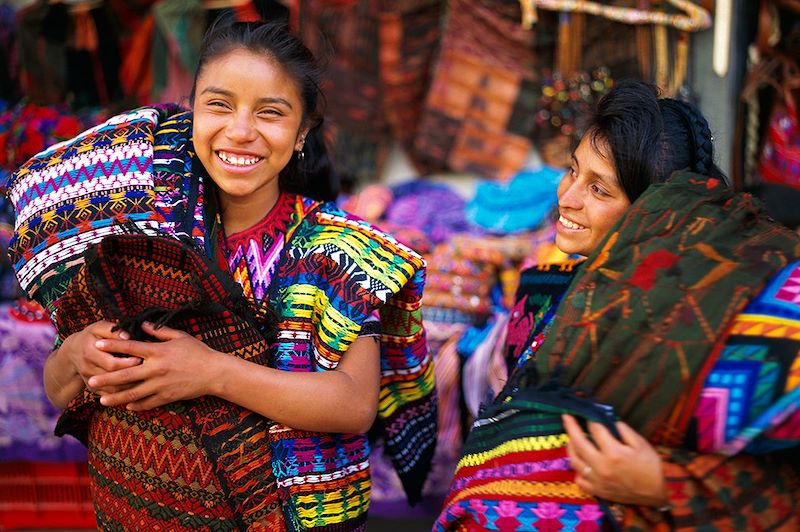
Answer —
789 290
758 369
77 192
345 270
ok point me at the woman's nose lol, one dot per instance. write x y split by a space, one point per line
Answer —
569 195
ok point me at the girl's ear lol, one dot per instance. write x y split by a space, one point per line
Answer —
301 138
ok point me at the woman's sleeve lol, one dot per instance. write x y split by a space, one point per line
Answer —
717 492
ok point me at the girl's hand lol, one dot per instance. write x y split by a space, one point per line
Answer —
88 361
176 367
627 471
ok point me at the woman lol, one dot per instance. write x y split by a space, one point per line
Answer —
657 345
229 176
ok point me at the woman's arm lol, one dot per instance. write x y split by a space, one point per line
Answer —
181 367
68 367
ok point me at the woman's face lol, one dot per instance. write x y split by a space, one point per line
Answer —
590 199
247 124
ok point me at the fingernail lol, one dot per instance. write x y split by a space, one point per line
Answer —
100 344
103 400
124 335
91 382
147 323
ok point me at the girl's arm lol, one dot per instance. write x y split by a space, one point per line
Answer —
181 367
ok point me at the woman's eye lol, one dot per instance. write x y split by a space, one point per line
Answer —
270 112
598 190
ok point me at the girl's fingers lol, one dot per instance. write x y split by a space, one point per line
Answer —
163 332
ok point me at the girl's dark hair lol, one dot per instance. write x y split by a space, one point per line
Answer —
649 137
313 175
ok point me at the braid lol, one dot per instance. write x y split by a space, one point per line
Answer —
703 156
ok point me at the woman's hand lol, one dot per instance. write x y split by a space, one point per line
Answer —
627 471
174 368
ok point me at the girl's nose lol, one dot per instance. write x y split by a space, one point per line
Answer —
241 127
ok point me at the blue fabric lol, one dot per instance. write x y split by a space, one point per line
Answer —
520 204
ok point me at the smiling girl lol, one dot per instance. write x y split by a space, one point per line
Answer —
245 176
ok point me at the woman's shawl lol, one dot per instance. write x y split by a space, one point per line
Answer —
646 317
137 169
514 473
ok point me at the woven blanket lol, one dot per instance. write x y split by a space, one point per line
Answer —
215 472
688 252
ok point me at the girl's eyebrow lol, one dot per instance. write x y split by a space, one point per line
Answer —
260 101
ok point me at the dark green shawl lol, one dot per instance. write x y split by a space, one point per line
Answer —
644 319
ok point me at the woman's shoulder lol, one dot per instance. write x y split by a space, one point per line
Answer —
353 246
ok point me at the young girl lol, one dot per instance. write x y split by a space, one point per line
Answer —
231 175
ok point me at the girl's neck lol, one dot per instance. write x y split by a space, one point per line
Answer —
239 213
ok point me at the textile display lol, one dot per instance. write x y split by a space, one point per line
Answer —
780 157
137 170
27 418
378 76
519 204
522 477
478 108
68 51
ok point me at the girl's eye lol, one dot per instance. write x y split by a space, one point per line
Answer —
598 189
270 112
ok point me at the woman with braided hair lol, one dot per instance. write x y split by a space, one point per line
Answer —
657 388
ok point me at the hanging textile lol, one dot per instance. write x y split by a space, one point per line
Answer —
378 77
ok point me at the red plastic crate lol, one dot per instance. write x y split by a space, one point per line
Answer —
45 495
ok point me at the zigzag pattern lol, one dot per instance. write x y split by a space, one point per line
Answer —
91 171
143 446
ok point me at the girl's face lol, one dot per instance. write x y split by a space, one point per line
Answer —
247 124
590 199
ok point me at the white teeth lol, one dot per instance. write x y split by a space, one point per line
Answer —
237 160
569 224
